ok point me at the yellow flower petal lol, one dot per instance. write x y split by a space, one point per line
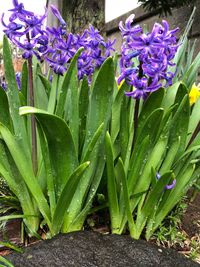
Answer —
194 94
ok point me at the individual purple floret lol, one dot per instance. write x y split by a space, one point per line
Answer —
146 57
18 79
168 186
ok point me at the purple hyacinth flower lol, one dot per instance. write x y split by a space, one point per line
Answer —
153 51
24 23
169 186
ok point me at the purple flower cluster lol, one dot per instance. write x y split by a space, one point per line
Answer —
63 46
25 30
55 45
146 57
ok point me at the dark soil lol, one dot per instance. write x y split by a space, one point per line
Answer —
190 225
191 219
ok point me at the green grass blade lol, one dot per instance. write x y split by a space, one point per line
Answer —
5 262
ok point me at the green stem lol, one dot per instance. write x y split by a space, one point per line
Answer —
136 112
33 122
195 133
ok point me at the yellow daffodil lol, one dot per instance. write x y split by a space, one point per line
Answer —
194 93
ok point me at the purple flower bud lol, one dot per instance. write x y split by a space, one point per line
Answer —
169 186
58 15
18 79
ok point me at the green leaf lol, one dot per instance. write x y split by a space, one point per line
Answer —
170 156
179 125
61 146
137 163
66 197
151 201
152 162
83 110
124 127
181 92
24 81
17 185
53 94
190 76
45 161
90 148
101 100
169 98
174 196
66 84
194 119
78 222
149 127
13 97
46 83
99 112
153 102
111 187
116 112
126 196
24 166
40 95
4 110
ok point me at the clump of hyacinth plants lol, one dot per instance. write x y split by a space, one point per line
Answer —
53 160
152 147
